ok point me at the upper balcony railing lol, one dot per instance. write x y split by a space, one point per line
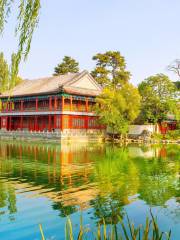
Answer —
48 105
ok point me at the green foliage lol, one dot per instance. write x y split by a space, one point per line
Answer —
5 7
173 135
27 20
117 108
14 78
158 98
8 79
110 69
68 65
157 136
4 73
119 103
177 84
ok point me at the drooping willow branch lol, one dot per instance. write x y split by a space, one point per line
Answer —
27 20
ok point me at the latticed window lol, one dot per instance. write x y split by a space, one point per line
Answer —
65 122
78 123
29 105
43 104
92 123
17 106
58 122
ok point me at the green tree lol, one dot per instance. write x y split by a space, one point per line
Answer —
110 69
158 98
68 65
14 78
117 108
119 103
4 73
8 79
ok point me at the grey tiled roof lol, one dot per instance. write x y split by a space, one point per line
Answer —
51 85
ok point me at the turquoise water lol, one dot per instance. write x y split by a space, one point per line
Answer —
44 183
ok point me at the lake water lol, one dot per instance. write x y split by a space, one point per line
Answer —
44 183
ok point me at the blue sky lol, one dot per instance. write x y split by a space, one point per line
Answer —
146 32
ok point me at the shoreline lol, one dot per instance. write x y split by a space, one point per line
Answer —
149 141
56 139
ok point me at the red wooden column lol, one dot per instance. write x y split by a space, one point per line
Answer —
55 120
49 123
6 123
87 108
55 103
62 103
50 103
86 117
36 104
10 106
21 118
71 105
7 106
78 104
21 123
55 116
61 123
36 123
86 122
62 119
10 123
22 108
2 106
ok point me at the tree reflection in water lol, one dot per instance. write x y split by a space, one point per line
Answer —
105 178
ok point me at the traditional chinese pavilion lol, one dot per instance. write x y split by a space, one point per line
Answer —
61 103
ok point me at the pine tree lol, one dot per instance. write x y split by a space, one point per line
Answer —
68 65
110 69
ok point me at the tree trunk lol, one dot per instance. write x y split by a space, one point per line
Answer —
113 134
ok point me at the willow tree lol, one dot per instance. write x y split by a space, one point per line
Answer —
27 20
7 74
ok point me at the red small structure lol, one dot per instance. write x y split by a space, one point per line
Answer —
168 125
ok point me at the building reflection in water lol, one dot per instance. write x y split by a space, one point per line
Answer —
78 176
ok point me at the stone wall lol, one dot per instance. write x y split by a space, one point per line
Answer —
67 134
138 129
